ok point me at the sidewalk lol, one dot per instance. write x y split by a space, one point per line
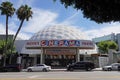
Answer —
25 70
54 70
97 69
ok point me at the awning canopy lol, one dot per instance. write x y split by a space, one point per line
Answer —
30 51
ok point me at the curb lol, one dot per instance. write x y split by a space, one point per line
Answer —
97 69
52 70
57 70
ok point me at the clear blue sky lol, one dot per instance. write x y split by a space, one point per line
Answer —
47 12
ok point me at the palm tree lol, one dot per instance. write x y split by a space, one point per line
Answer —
24 12
8 10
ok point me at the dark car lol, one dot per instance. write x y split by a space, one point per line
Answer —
88 66
118 67
11 68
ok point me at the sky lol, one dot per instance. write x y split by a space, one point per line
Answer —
47 12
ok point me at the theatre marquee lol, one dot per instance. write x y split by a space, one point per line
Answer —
61 43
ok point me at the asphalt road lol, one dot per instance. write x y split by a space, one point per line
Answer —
61 75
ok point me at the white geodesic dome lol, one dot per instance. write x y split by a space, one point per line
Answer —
58 32
62 32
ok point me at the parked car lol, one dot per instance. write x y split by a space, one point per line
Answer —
11 68
39 67
113 66
82 65
2 69
118 67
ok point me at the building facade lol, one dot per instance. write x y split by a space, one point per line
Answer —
110 37
56 46
118 40
113 56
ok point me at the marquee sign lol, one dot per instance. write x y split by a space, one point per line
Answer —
32 44
60 51
60 43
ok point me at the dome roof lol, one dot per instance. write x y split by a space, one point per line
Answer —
59 32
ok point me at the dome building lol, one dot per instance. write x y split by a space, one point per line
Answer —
59 32
56 46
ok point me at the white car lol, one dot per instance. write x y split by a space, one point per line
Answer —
113 66
39 67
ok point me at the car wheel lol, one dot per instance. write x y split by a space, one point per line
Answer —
109 69
9 70
44 70
29 70
89 69
103 69
68 69
71 69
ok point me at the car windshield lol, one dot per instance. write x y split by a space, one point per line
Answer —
40 65
114 64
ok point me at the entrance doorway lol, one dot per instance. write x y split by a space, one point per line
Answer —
59 61
60 57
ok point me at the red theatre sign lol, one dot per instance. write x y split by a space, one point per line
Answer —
61 43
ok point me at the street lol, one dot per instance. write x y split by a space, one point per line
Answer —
61 75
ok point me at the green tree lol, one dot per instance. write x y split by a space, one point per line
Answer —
104 46
2 46
23 13
8 10
97 10
9 48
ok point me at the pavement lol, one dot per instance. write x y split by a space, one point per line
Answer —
97 69
54 70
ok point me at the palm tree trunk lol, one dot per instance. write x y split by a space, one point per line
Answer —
18 30
6 29
6 41
16 36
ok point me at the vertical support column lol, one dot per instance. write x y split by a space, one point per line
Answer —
77 55
41 57
110 56
35 60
